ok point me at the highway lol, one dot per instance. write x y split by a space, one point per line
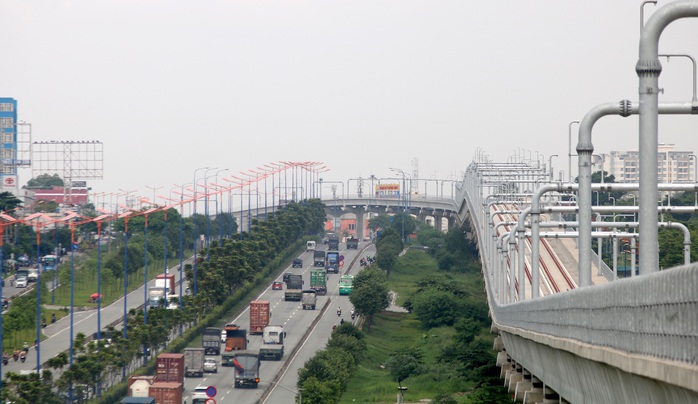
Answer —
296 322
83 321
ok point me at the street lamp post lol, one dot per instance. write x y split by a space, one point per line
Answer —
196 238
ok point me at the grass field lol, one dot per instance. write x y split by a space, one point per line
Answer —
400 333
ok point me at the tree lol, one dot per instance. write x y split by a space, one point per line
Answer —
8 201
371 295
44 181
403 366
435 308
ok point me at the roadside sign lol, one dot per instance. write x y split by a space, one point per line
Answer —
211 392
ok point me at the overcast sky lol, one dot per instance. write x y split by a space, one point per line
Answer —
170 86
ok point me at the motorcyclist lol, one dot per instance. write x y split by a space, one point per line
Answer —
5 358
15 355
339 311
25 347
22 356
341 321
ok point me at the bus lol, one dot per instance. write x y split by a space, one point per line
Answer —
345 284
49 262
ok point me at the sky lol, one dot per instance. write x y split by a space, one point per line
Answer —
170 86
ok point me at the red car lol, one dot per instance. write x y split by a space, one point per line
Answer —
277 286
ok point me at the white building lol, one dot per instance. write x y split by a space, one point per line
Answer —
672 166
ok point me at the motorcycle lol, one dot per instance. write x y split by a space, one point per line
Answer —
15 356
5 359
23 358
363 262
339 312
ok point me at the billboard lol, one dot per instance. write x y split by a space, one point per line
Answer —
387 190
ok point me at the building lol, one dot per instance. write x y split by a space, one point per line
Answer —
79 196
672 166
8 144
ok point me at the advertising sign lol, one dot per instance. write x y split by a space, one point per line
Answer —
387 190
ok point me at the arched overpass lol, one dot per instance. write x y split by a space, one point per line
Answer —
421 207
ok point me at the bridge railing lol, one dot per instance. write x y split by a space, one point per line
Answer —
653 315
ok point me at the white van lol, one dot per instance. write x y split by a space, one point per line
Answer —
310 246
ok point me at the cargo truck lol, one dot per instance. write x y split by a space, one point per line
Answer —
194 362
294 287
309 300
166 282
211 341
319 258
332 262
352 243
156 297
235 338
272 343
259 316
318 281
310 246
246 370
333 243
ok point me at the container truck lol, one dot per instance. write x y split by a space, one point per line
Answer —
246 370
166 392
309 300
318 281
332 262
194 362
166 282
294 287
259 316
211 341
319 258
169 367
235 338
333 243
352 243
272 343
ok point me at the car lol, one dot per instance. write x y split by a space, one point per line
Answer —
277 286
286 277
199 392
210 365
297 263
21 282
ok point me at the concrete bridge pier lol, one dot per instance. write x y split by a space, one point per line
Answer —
438 219
536 394
514 378
360 225
522 387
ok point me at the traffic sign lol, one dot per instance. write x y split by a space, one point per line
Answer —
210 401
211 392
341 258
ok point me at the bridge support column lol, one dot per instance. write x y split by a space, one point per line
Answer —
550 396
451 222
535 395
437 221
523 386
514 378
360 225
506 367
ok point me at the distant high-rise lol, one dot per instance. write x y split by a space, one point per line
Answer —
672 166
8 144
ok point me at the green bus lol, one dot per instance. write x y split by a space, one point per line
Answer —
345 284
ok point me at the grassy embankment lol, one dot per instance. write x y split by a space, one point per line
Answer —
401 332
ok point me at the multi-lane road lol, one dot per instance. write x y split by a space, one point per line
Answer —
307 332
